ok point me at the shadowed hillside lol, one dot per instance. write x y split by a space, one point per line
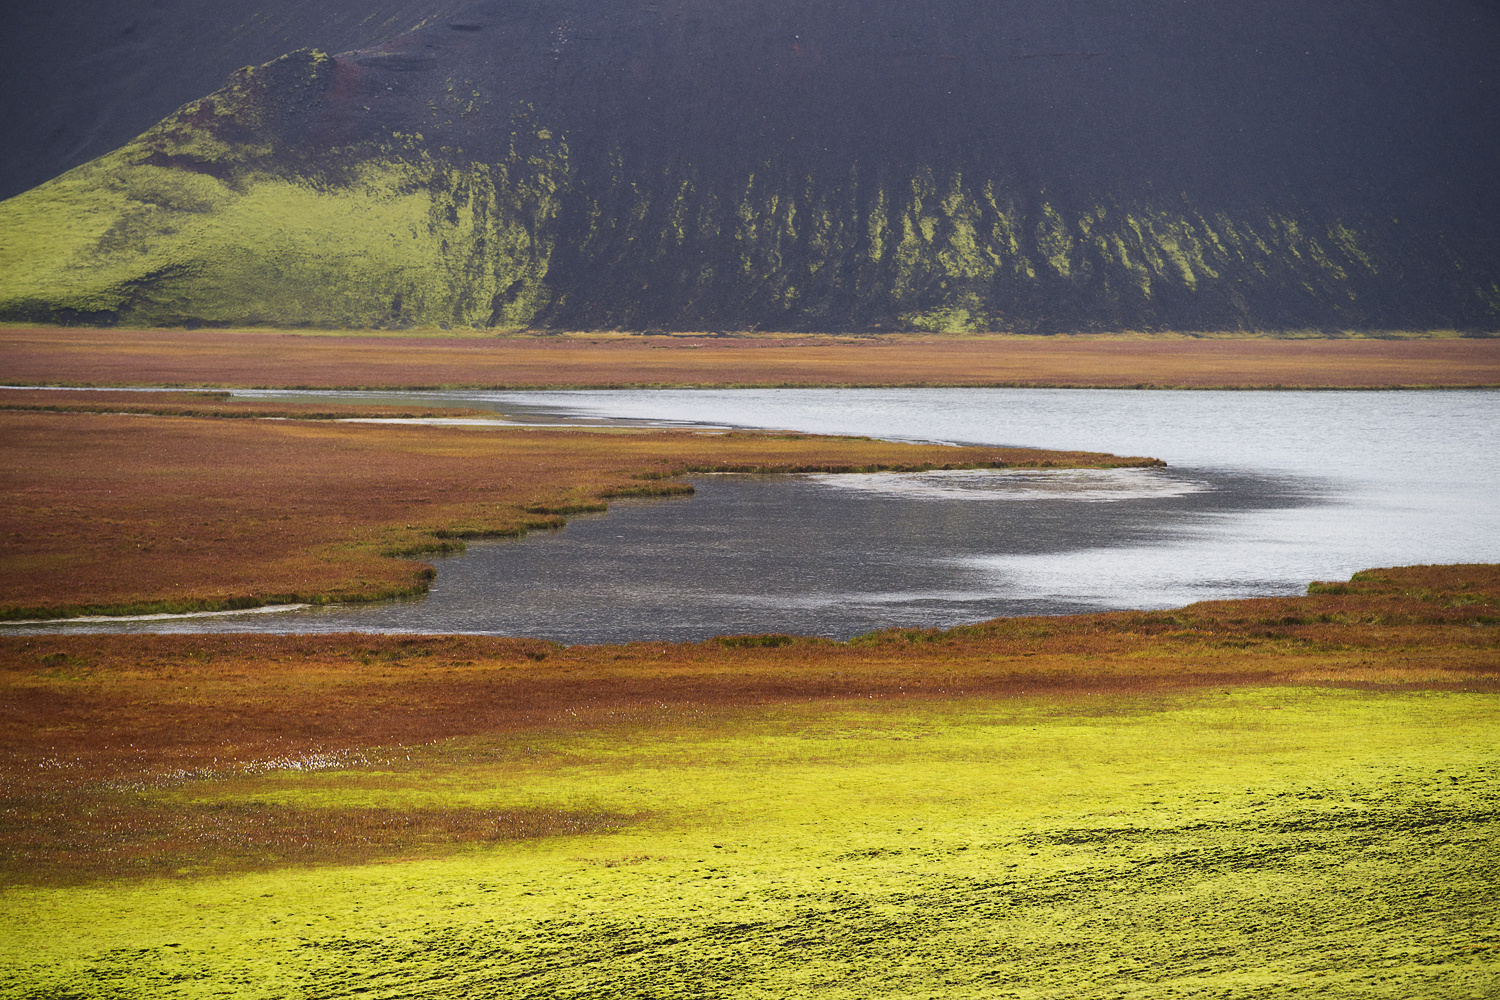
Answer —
83 77
942 165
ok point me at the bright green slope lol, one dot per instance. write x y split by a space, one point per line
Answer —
406 241
179 226
1253 843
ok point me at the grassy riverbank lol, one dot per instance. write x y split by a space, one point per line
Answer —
280 358
1278 797
112 514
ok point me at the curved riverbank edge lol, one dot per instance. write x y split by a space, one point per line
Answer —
128 516
450 541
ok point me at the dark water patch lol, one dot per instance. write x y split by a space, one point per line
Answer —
834 556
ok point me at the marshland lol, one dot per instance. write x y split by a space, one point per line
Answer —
1224 795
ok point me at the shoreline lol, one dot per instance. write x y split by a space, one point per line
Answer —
650 386
175 514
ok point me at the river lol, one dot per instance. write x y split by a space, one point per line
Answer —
1264 492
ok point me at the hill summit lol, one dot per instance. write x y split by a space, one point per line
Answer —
818 165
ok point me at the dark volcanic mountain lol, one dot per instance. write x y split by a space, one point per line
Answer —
945 164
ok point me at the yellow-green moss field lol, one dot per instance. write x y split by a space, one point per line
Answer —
1236 842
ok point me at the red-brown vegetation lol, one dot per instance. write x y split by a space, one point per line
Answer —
219 405
88 724
111 707
79 836
115 513
52 356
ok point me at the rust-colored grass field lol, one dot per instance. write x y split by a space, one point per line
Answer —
210 404
90 721
52 356
109 514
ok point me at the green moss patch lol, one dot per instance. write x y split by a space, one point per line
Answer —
1266 842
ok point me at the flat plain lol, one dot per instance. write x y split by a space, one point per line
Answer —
253 358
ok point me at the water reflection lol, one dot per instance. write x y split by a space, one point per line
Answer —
1083 485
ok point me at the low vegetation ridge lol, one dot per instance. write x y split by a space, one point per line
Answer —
214 405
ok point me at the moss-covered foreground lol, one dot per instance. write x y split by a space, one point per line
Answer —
1240 842
1275 797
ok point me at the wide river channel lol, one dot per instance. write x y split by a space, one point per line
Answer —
1264 492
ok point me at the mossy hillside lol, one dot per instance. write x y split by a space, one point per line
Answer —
183 226
410 240
382 251
338 192
949 253
1275 841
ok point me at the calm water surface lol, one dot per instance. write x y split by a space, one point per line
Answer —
1264 492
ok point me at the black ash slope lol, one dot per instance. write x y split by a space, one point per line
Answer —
694 130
